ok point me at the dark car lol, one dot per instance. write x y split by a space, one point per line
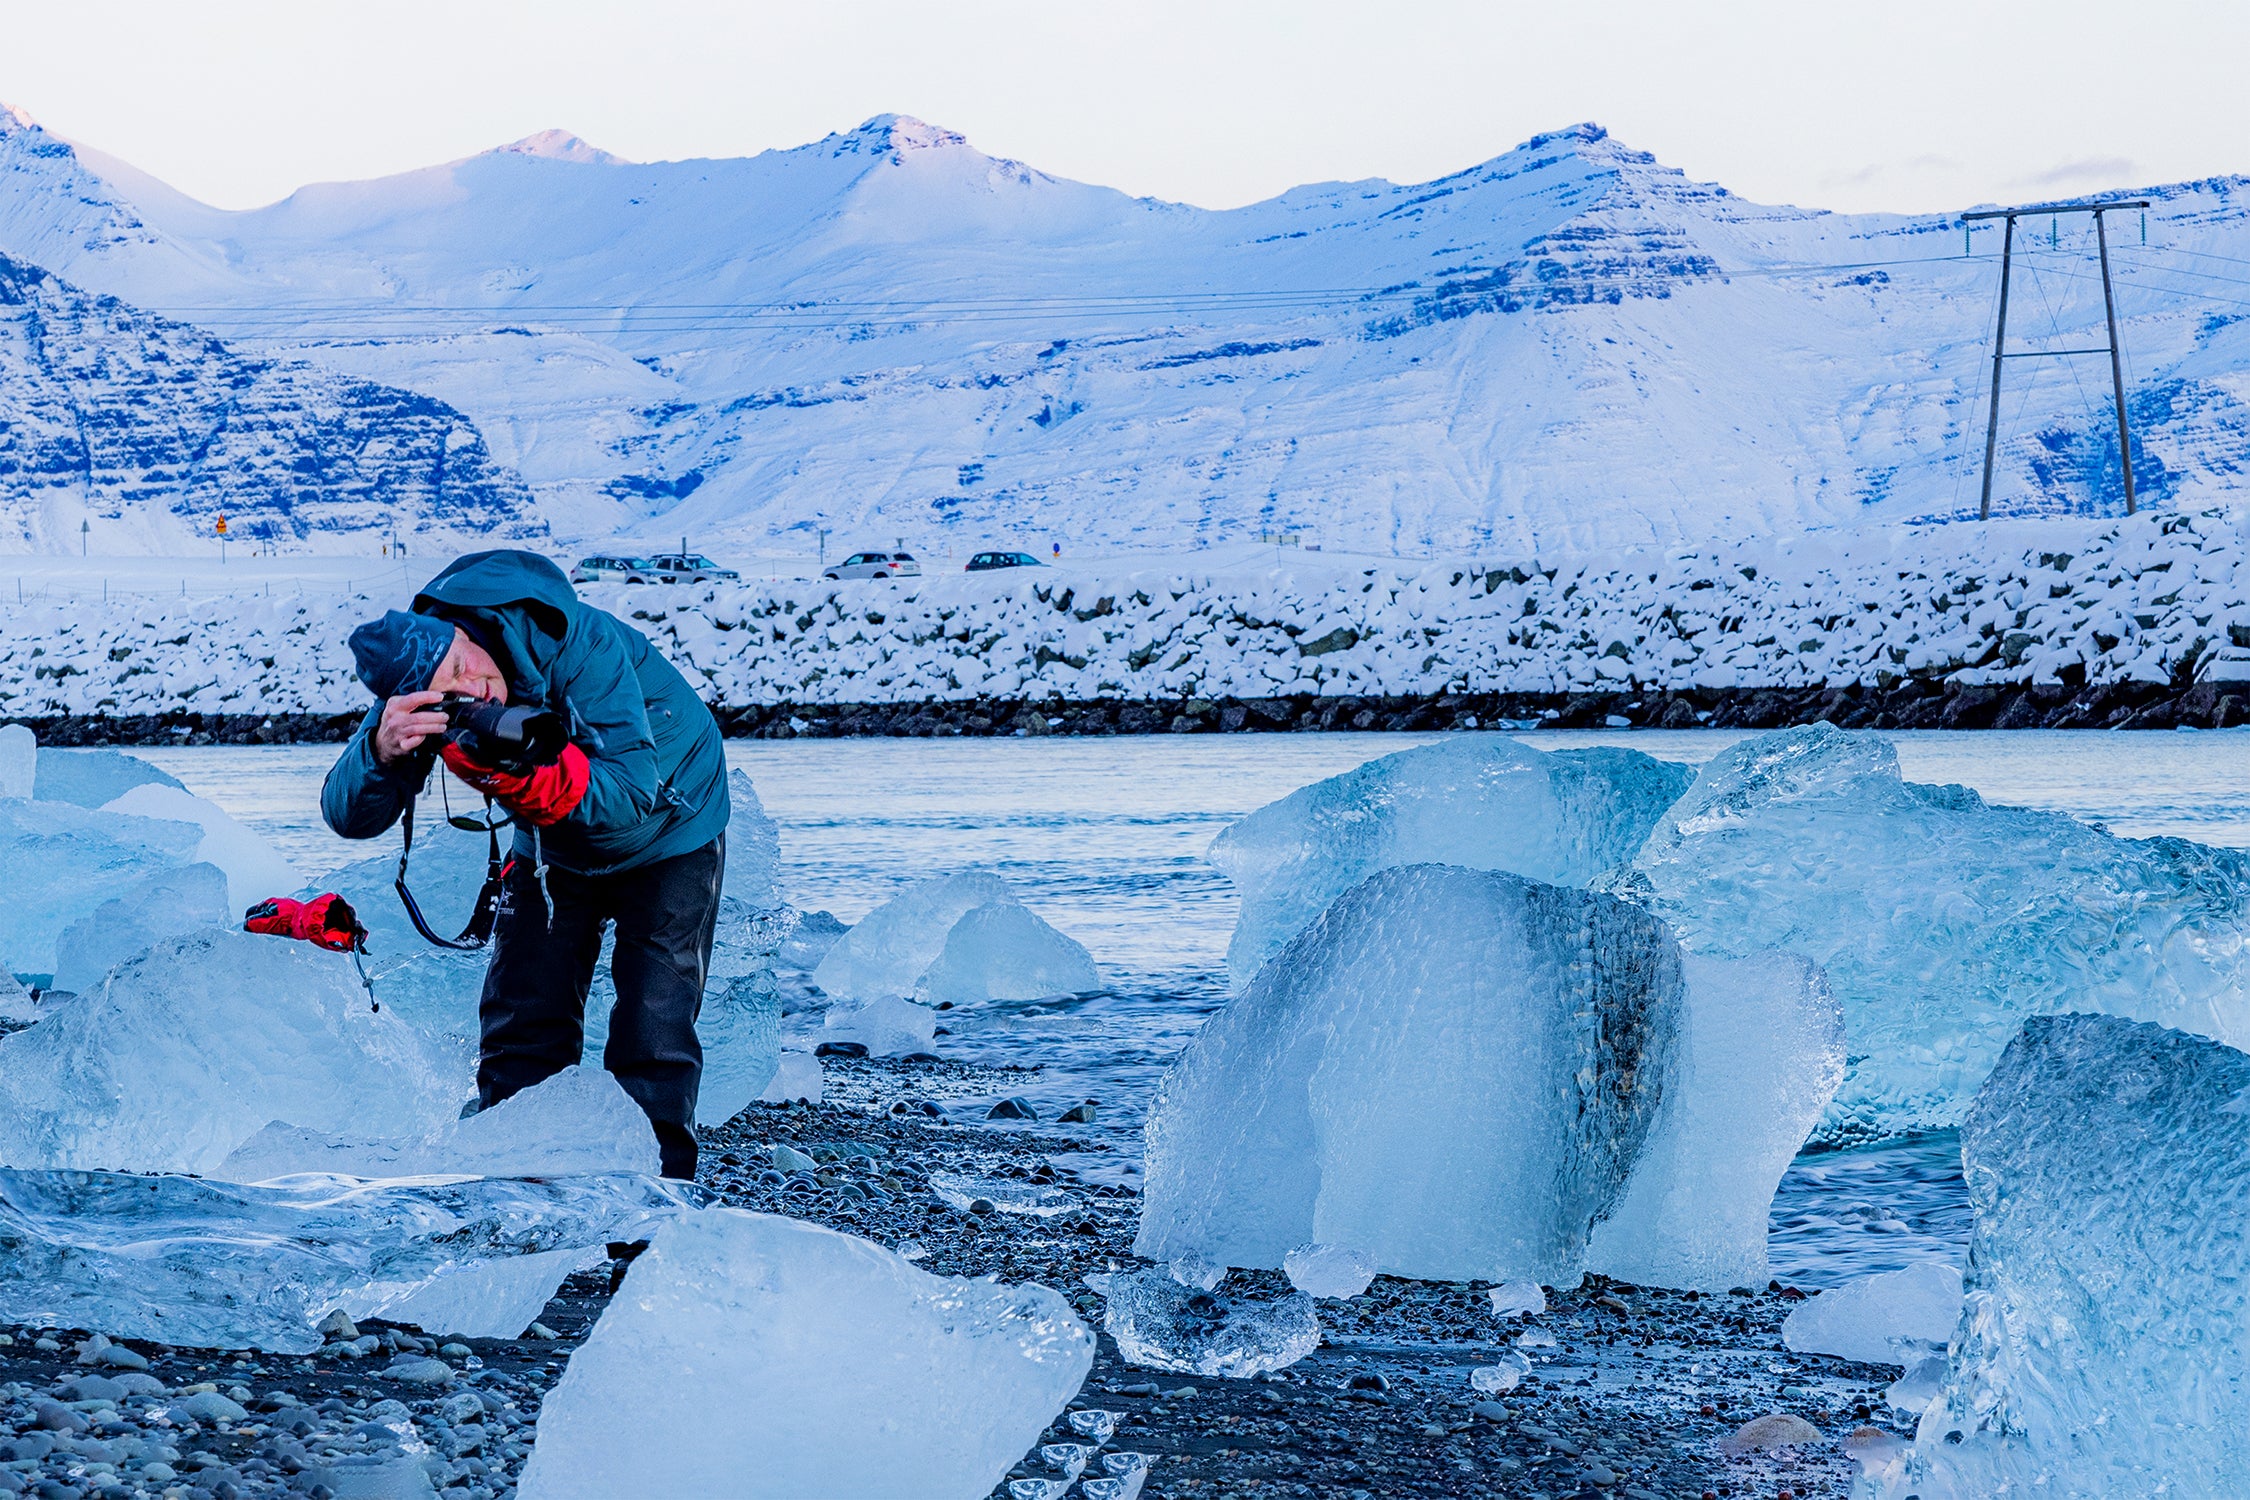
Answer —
985 562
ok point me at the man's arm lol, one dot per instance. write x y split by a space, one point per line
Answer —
363 796
606 694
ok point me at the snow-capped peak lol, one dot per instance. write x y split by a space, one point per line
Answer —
898 134
13 119
560 145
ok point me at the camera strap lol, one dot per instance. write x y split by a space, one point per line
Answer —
478 932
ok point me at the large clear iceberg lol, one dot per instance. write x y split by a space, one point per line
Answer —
1484 802
964 934
580 1120
1942 922
255 869
164 905
1761 1054
200 1042
1451 1072
58 862
2102 1351
93 778
767 1359
183 1260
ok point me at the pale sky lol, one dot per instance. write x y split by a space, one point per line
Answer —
1882 104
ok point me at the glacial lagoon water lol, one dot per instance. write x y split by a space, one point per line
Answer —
1104 837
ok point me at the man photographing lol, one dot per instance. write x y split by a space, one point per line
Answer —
626 825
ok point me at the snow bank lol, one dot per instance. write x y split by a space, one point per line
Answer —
2152 598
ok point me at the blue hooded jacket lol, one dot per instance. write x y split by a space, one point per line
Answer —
658 780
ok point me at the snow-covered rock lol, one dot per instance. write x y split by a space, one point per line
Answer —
1390 1082
840 1370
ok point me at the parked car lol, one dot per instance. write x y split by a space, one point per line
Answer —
984 562
689 567
612 570
876 565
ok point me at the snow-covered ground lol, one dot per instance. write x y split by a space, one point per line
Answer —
2150 599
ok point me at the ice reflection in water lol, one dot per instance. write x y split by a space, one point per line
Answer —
1104 838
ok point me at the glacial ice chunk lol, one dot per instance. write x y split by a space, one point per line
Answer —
15 1001
885 1027
434 988
1001 951
1891 1318
907 946
188 1261
842 1370
57 862
1328 1270
197 1044
1512 1299
255 869
797 1077
1537 1023
1160 1324
579 1120
19 760
167 904
753 873
1503 1375
1483 802
93 778
2100 1350
1941 921
1762 1053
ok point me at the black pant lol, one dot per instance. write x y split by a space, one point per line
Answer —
533 1014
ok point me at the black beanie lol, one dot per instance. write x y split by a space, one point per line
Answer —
400 652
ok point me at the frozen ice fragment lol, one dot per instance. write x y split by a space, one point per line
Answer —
1115 1487
254 868
1891 1318
93 778
1941 922
166 904
779 1323
741 1032
1505 1375
1200 1272
1913 1392
15 1000
189 1261
57 862
1125 1463
1067 1459
2108 1165
1162 1325
1328 1270
895 944
886 1027
1001 951
1762 1053
19 760
1535 1338
753 848
1538 1023
579 1120
1511 1298
1482 802
806 939
796 1077
1007 1194
197 1044
1092 1422
1038 1489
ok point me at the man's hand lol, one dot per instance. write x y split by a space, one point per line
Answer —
407 721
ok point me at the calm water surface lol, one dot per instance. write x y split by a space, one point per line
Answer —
1105 837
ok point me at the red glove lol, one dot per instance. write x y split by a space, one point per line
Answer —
544 796
327 920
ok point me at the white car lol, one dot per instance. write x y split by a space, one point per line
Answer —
876 565
612 570
688 567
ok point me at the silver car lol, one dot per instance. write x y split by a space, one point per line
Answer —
876 565
689 567
612 569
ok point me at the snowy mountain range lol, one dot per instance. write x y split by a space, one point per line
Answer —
890 334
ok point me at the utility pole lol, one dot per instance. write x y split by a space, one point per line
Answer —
2000 352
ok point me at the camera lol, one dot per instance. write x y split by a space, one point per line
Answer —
503 736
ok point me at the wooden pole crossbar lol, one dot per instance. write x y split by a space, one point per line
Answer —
2000 356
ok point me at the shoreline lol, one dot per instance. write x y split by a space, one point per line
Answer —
1909 703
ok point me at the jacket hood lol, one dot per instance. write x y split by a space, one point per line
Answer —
517 605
